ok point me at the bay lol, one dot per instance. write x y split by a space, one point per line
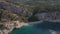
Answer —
30 30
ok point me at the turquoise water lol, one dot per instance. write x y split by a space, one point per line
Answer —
38 28
30 30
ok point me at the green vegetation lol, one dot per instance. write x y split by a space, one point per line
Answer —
33 8
7 15
1 25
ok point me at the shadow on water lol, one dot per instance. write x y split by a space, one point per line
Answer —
48 25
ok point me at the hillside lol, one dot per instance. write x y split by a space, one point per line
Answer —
18 13
26 9
11 12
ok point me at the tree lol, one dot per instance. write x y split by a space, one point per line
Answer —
1 11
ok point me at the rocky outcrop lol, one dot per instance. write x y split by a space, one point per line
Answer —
10 25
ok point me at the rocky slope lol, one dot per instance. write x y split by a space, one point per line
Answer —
11 14
14 9
11 17
52 15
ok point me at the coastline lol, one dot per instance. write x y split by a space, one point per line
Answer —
11 25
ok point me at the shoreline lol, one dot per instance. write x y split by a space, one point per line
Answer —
11 25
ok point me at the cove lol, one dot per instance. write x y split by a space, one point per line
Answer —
30 30
38 28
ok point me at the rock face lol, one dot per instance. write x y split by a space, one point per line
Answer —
14 9
53 16
10 25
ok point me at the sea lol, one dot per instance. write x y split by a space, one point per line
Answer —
38 29
30 30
